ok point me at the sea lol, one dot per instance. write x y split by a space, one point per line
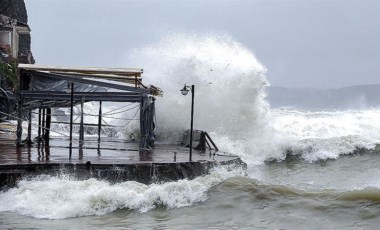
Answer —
306 169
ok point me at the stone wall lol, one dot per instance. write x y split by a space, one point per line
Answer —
14 9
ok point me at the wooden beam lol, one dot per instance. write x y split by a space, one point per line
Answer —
88 70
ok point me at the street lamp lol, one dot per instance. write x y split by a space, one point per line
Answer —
185 91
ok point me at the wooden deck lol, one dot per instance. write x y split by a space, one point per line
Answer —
112 160
109 151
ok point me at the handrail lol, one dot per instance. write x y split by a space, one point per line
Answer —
212 142
203 141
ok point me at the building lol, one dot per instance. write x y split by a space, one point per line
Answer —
15 40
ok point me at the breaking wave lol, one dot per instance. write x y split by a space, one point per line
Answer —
229 84
59 198
327 135
63 197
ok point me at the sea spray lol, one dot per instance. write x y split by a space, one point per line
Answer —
229 92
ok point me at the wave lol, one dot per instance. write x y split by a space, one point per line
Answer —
326 135
64 197
47 197
262 191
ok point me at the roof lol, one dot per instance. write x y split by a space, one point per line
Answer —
84 70
48 85
125 75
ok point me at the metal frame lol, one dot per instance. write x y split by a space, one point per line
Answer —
103 77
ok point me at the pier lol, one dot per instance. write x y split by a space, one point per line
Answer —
43 88
115 161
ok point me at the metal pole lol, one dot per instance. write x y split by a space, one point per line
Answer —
81 128
191 126
99 120
71 116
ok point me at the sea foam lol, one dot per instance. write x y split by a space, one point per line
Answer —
63 197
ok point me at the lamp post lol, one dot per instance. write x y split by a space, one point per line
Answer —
185 91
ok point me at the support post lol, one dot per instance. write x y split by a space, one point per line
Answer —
81 128
48 122
39 125
43 123
99 120
71 118
29 137
191 125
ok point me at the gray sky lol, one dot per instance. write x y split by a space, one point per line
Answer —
303 43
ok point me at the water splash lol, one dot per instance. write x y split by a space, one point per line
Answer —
229 90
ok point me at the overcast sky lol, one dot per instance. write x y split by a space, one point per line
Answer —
303 43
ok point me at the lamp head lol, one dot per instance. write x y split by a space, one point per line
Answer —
184 91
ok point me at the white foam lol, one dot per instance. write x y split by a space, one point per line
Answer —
329 134
58 198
